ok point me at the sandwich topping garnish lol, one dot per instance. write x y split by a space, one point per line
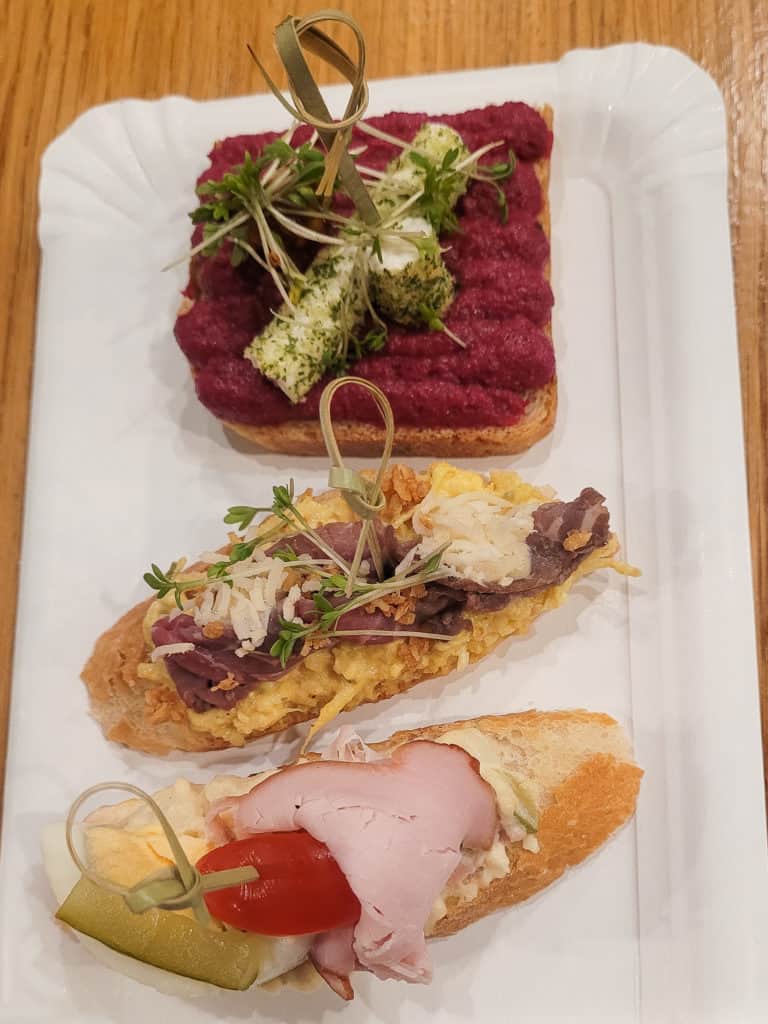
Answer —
305 579
383 261
345 860
284 583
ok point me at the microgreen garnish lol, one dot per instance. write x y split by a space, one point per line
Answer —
286 554
442 182
162 582
373 341
434 323
331 600
290 634
243 515
241 207
166 583
493 174
432 564
272 194
450 172
281 173
329 611
283 508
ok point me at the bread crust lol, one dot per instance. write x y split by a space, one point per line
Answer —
579 815
304 437
582 814
595 795
121 701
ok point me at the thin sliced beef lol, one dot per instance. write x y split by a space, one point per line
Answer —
197 673
343 538
564 533
557 519
433 615
551 562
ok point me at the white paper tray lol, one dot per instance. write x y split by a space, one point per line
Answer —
669 921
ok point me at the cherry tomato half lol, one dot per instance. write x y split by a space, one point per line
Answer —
301 889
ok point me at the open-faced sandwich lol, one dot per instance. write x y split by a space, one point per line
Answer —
280 626
361 854
445 303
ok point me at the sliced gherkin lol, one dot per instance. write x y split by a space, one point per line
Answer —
165 939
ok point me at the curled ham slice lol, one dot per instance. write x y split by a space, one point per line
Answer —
396 827
348 746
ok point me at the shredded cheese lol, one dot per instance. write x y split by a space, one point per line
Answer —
485 533
165 649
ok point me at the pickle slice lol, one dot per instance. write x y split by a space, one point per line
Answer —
171 941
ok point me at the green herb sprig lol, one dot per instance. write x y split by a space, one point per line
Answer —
442 181
282 507
165 582
328 613
331 600
434 323
241 194
493 174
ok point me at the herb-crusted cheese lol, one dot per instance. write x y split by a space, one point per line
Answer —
411 273
405 177
294 349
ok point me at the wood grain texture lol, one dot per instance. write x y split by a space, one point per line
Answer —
59 57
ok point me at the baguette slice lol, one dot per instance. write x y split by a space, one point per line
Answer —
304 437
136 703
582 767
135 711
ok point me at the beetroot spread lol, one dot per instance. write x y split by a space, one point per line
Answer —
501 310
212 675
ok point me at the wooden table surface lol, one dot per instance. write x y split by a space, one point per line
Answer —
62 56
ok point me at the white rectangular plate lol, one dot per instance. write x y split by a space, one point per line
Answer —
669 921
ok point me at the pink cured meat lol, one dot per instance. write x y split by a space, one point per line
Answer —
500 280
396 826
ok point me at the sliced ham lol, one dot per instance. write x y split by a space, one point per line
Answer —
396 826
348 746
333 956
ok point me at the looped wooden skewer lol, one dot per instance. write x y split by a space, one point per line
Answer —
180 886
363 496
309 106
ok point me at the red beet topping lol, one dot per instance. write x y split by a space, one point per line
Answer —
502 304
